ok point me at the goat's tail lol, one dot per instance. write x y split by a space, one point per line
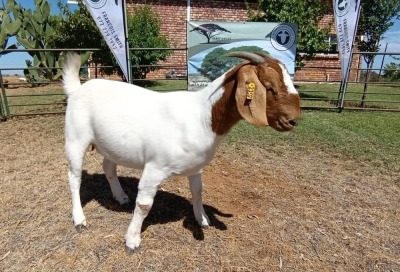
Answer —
72 65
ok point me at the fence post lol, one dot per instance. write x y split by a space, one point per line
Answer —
3 98
1 108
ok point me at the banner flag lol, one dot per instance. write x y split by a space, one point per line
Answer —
208 42
346 18
109 16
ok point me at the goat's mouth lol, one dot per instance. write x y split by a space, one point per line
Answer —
283 124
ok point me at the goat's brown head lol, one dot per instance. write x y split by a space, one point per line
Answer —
265 94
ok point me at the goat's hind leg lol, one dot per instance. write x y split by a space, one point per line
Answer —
75 153
110 169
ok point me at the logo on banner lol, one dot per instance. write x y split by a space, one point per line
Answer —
342 7
283 37
96 3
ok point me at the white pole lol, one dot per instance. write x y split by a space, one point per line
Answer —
188 10
129 79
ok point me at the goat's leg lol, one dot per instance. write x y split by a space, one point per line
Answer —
147 189
110 169
75 154
196 185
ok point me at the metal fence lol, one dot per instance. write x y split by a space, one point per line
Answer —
19 97
376 92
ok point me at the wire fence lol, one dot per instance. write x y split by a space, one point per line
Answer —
370 90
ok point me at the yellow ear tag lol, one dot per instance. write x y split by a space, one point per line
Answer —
251 87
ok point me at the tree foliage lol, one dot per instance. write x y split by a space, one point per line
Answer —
215 63
376 17
76 30
391 71
144 32
305 13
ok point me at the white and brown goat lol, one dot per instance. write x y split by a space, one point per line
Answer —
168 134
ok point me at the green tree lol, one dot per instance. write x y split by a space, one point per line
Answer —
215 63
376 17
144 32
305 13
77 30
391 71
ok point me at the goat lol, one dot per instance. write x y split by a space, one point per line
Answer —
168 134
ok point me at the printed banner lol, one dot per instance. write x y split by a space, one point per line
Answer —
208 42
110 19
346 18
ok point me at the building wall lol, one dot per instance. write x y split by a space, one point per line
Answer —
325 67
173 15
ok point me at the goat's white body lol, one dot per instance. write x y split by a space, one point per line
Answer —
133 127
165 134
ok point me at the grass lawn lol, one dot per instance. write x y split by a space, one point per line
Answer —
383 96
362 136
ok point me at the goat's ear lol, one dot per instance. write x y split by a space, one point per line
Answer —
251 97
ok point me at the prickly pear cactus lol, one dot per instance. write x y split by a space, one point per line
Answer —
9 27
32 29
36 28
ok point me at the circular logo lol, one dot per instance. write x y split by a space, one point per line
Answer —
96 3
283 37
342 7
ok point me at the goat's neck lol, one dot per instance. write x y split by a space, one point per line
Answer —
221 96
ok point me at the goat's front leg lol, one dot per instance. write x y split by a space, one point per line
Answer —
147 190
110 169
196 186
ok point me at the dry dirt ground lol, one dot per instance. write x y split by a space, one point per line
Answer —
271 209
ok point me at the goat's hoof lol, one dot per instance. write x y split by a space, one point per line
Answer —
131 251
126 205
122 200
79 228
205 226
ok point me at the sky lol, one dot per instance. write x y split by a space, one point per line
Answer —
392 41
17 60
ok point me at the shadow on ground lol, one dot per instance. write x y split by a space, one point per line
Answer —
167 207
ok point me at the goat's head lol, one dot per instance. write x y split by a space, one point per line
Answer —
265 94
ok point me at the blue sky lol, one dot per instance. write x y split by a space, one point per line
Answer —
17 60
392 40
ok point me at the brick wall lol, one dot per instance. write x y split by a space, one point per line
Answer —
173 14
325 67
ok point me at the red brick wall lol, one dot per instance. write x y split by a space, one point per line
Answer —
173 14
325 67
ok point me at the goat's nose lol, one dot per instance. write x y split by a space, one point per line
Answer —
292 122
